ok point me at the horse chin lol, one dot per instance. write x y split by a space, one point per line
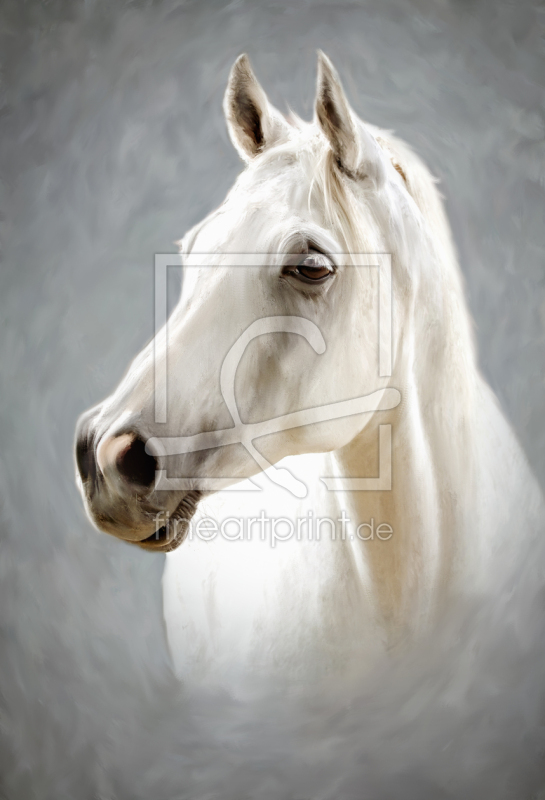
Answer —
171 536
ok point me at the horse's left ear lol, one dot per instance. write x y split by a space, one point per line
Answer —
253 123
357 151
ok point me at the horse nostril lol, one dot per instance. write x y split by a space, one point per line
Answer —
135 464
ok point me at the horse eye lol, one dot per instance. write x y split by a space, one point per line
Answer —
313 268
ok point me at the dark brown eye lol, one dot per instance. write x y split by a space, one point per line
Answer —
312 268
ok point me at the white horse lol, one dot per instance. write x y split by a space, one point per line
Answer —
254 589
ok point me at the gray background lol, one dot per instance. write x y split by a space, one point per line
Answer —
112 143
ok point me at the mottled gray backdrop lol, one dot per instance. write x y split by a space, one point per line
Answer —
112 143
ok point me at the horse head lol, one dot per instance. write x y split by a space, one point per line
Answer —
274 318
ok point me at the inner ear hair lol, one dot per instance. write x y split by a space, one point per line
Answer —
254 125
244 106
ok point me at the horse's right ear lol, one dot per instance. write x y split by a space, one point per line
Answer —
252 122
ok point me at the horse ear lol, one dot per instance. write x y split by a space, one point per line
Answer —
252 122
354 146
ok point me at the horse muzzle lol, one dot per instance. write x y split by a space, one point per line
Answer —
116 477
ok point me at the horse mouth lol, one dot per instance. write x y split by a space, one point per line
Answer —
171 535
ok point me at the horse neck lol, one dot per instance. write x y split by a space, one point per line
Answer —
433 439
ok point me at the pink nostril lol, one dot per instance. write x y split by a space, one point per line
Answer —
128 453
